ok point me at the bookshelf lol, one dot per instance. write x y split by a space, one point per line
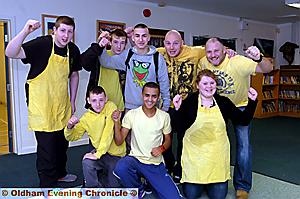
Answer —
267 86
289 91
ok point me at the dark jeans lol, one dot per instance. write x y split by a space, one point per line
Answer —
99 173
214 190
51 157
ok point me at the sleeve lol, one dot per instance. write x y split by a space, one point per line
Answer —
167 125
236 115
108 131
75 62
89 58
115 61
164 83
33 48
76 132
200 52
126 122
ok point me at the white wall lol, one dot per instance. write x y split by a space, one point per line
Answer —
86 12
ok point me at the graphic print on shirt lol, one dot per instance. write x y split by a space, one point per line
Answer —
181 77
140 71
225 83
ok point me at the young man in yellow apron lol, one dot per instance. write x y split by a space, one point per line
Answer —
55 62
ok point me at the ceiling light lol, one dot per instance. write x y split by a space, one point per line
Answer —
293 3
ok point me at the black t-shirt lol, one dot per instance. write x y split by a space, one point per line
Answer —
38 52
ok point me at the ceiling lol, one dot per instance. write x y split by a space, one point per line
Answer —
269 11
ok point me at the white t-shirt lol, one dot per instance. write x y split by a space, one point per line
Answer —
146 133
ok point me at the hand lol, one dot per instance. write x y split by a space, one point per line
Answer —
156 151
252 94
177 100
89 156
253 53
231 53
72 121
31 25
116 115
102 35
104 42
129 31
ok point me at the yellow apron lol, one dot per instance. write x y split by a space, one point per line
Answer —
49 105
206 153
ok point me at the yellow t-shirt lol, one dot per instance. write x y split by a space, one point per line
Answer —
182 69
233 77
100 129
109 80
146 133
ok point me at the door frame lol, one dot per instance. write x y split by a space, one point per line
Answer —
9 87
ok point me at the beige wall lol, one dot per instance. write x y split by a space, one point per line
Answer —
2 66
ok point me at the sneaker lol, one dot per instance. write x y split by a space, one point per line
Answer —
147 188
241 194
176 179
141 194
68 178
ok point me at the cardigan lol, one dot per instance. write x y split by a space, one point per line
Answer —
187 113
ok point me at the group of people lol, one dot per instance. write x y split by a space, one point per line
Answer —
129 106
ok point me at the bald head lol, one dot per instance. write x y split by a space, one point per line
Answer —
173 43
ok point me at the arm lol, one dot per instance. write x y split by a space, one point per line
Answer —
89 58
120 133
115 61
242 117
14 48
73 83
263 64
163 80
74 129
157 151
107 134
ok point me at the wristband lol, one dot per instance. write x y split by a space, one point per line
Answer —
162 148
260 58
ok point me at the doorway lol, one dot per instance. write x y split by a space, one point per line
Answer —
5 127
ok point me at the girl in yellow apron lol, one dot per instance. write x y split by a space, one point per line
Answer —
206 151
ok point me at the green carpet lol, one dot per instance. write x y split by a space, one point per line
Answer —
276 148
20 171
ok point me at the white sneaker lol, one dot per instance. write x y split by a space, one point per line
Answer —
68 178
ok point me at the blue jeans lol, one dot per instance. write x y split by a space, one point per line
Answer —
242 176
214 190
130 170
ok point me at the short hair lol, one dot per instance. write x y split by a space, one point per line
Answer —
97 90
119 33
216 39
64 20
205 72
140 25
151 85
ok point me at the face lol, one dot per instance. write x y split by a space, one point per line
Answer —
150 97
141 37
215 52
207 87
63 35
97 101
117 44
173 44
